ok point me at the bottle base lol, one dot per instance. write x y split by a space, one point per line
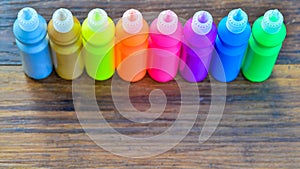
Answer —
100 78
254 79
69 76
129 78
160 76
39 77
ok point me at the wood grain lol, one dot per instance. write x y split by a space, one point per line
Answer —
260 127
9 54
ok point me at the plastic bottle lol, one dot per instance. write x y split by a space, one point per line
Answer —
196 56
64 31
132 33
30 30
233 34
268 34
165 45
98 33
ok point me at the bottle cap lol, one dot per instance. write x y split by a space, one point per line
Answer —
272 21
63 20
28 19
97 19
202 22
237 21
132 21
167 22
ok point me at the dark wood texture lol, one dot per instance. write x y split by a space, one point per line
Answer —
260 127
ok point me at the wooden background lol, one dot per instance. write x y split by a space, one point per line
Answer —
260 127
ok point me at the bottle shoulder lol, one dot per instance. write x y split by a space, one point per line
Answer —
32 48
65 38
230 38
225 49
266 39
33 37
196 40
131 39
263 50
166 40
100 37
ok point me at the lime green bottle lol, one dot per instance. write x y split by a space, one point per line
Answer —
268 34
98 32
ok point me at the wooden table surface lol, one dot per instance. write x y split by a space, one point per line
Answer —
260 127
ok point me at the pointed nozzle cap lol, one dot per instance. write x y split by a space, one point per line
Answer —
237 21
97 19
132 21
28 19
202 22
63 20
167 22
272 21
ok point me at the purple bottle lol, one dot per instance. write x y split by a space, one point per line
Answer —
200 33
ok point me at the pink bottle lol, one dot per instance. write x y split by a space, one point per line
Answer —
164 46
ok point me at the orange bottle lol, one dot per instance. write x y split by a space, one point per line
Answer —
64 31
131 46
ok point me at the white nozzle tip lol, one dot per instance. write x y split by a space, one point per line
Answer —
202 22
63 20
167 22
28 19
237 21
132 21
272 21
97 19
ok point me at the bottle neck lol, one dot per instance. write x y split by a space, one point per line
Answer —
132 21
272 21
167 22
97 20
63 21
237 21
202 22
28 19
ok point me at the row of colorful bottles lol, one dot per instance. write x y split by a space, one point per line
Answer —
133 48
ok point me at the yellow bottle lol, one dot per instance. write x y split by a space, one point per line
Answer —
64 31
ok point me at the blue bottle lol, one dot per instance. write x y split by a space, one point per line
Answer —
231 43
30 30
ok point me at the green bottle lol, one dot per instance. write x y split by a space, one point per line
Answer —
268 33
98 32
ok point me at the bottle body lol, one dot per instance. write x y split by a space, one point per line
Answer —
164 53
230 50
34 49
66 50
226 61
262 52
131 52
196 53
98 50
